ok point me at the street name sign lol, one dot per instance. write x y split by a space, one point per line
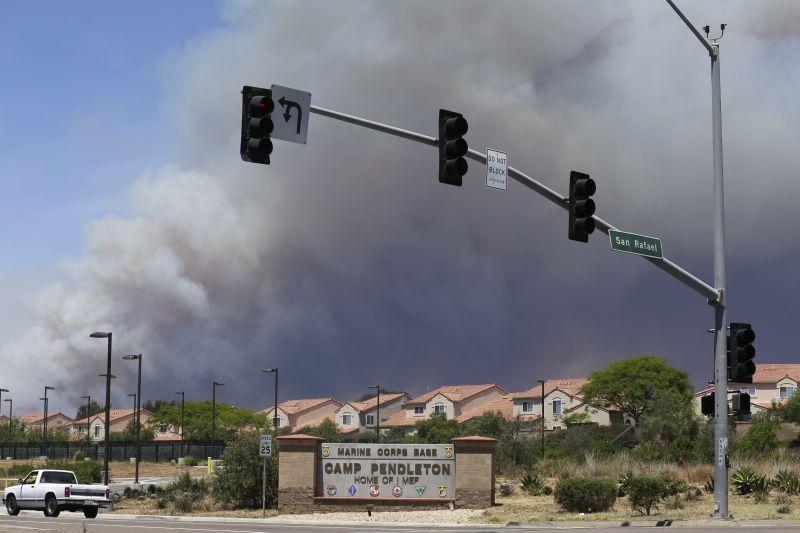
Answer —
265 446
292 109
496 169
635 244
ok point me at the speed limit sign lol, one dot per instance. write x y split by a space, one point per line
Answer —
265 447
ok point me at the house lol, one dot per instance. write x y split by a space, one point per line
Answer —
773 383
3 419
454 401
54 420
118 420
361 416
562 398
296 414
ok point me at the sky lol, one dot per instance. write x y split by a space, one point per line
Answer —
126 207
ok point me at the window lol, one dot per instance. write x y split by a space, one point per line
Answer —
66 478
556 407
163 428
277 422
418 410
80 430
97 431
787 391
748 390
438 408
31 479
370 420
347 419
527 407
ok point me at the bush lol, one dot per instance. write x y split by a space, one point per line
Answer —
693 493
624 482
86 471
506 489
708 486
586 494
745 480
78 456
238 485
783 504
189 461
646 492
674 502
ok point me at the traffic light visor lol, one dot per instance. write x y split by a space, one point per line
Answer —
455 127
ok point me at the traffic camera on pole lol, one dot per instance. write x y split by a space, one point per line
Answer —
257 107
581 206
452 147
741 353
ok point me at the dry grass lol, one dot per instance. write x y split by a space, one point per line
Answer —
125 469
204 507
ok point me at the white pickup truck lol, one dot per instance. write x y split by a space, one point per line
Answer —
53 491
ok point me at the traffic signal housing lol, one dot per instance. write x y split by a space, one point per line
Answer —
707 404
452 147
581 206
741 353
257 125
741 403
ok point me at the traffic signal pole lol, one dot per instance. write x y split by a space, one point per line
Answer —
677 272
720 312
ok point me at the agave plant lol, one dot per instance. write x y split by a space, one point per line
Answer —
787 481
533 485
746 480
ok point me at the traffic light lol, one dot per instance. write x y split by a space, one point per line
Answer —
581 206
741 403
452 147
257 107
707 404
741 353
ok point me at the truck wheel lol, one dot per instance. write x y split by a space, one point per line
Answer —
51 506
90 512
11 505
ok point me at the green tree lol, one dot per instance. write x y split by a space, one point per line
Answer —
326 430
395 435
230 420
87 410
791 409
437 429
238 485
631 385
761 438
671 424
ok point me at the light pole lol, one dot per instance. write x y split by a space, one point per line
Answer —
542 382
214 411
2 391
274 370
182 398
378 416
137 409
44 420
10 409
103 335
88 399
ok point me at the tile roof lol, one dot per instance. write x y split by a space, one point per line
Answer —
571 386
455 393
113 415
774 372
399 419
504 405
292 407
315 422
33 418
372 402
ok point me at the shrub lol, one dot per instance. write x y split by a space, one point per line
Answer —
693 493
646 492
533 484
189 461
586 494
624 482
787 481
78 456
239 483
708 486
745 480
674 502
184 502
85 471
506 489
783 504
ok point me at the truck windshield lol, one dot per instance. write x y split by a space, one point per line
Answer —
63 478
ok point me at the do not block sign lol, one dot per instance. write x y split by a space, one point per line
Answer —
496 169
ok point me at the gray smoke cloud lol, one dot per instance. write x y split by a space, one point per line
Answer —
346 263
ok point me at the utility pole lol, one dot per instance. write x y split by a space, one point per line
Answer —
720 319
542 382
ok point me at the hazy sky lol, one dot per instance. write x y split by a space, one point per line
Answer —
125 205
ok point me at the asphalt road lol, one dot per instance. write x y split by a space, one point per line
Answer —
29 521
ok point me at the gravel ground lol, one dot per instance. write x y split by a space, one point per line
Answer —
457 516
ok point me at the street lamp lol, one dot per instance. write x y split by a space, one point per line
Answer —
2 391
378 419
182 398
88 415
214 411
1 405
137 407
275 413
102 335
44 421
10 410
542 382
